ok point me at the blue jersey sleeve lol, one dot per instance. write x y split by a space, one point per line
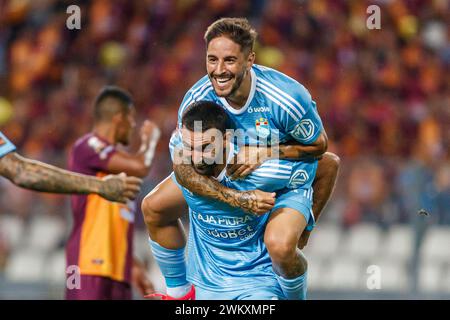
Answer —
297 114
6 146
200 91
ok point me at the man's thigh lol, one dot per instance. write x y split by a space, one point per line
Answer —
294 208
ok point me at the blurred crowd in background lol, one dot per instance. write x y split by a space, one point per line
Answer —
383 95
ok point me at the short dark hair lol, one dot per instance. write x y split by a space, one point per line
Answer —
104 111
209 113
237 29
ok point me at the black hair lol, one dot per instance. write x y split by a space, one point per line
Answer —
237 29
209 113
105 111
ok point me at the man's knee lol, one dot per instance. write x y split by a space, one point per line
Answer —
333 161
151 210
328 165
281 247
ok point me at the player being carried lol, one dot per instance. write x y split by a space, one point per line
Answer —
227 257
253 96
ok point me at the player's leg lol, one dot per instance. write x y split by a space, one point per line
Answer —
162 209
91 288
283 230
324 182
121 291
292 213
323 185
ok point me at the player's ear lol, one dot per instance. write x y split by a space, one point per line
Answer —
250 60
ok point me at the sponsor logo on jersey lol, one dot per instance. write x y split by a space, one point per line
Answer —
258 109
96 144
245 227
97 261
262 127
304 130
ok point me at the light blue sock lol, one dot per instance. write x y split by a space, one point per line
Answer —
294 289
172 264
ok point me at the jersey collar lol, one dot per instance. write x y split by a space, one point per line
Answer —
249 99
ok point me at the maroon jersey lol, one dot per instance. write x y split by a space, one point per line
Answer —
101 241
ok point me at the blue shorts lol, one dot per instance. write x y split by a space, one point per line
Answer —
254 293
299 200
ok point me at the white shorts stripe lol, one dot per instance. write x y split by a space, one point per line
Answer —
267 175
272 170
276 165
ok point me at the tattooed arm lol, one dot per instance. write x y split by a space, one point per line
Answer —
38 176
254 201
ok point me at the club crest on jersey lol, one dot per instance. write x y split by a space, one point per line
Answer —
262 127
2 142
304 130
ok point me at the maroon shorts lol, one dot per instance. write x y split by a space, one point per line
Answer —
99 288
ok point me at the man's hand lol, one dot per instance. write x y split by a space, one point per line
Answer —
255 201
303 239
140 279
247 160
120 188
150 134
148 130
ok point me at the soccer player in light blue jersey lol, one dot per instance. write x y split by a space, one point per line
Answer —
227 257
267 105
38 176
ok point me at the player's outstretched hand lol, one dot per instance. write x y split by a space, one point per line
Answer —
148 130
120 188
256 201
247 160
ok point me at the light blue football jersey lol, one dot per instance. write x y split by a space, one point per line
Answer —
277 110
5 145
226 248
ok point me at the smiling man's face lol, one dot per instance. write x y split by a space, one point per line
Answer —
227 65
